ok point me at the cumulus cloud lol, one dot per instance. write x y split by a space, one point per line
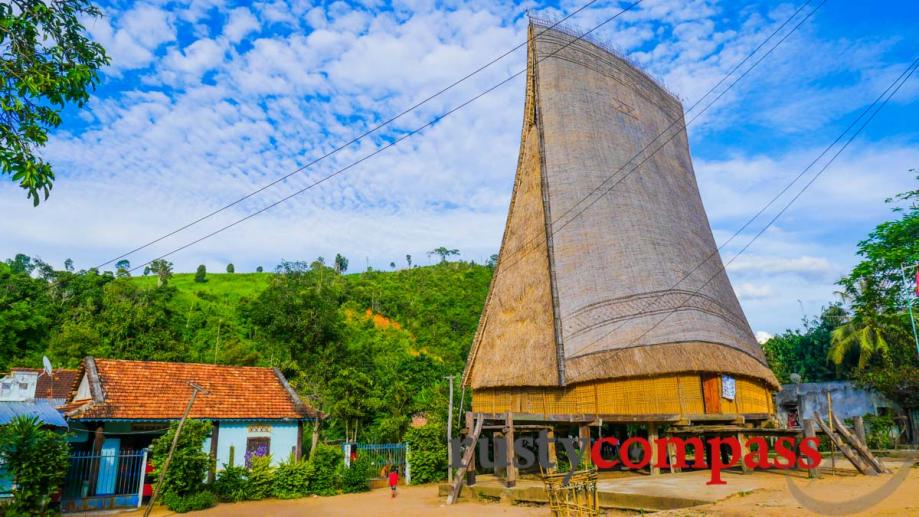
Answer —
237 97
132 37
762 336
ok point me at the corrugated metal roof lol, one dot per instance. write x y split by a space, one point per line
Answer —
44 411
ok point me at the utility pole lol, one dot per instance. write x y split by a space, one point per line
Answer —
450 432
175 440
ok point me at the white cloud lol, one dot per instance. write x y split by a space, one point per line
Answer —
750 291
808 266
762 336
172 147
241 22
131 37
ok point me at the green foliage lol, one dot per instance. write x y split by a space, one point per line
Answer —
805 352
37 460
427 452
877 342
231 268
398 333
324 465
190 464
443 253
232 484
356 478
877 431
163 271
341 263
291 479
201 274
260 477
192 502
46 62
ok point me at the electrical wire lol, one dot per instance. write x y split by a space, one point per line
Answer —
354 140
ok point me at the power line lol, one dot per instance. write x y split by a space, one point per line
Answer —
883 98
387 146
354 140
672 124
525 249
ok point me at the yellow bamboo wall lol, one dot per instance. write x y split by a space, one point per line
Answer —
679 394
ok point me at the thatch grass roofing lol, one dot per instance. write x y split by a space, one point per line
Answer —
632 285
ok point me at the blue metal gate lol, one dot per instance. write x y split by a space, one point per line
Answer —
112 478
380 454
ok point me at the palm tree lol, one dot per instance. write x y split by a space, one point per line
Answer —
869 330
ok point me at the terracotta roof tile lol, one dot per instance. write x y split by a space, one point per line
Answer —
160 390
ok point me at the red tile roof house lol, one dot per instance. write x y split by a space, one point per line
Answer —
119 405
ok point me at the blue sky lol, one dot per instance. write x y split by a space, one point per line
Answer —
206 101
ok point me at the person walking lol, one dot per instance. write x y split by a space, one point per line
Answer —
393 480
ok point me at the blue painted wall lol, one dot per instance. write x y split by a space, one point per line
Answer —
283 437
283 441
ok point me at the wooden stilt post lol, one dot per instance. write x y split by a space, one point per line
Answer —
810 431
511 454
671 456
553 457
470 471
860 429
584 438
744 450
652 439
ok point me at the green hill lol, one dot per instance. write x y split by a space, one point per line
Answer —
368 348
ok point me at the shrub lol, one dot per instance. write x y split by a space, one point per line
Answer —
232 485
427 453
190 464
291 479
261 477
324 468
878 431
201 274
356 478
231 268
189 503
37 460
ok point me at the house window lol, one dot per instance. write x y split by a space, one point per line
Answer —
257 446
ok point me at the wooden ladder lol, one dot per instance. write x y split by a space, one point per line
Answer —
851 447
460 477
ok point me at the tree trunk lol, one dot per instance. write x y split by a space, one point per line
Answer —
315 439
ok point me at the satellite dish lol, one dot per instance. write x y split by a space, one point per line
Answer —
47 362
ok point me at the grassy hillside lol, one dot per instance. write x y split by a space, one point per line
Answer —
438 305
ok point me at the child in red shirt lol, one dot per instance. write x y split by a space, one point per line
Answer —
393 480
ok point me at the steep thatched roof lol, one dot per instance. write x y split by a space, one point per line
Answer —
616 283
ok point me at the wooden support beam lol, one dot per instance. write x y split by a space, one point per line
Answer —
810 431
584 440
744 450
860 429
652 439
470 426
553 457
467 457
671 458
847 451
859 446
509 440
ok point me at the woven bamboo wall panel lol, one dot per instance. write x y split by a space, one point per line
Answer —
663 395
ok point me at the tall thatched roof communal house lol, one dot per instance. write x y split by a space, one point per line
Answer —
585 319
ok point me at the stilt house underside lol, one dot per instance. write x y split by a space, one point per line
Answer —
622 307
